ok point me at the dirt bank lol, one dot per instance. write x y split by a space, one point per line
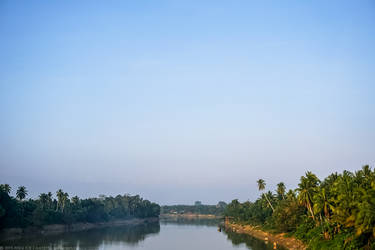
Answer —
16 233
280 239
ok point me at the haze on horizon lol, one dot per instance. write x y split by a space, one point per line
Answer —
183 101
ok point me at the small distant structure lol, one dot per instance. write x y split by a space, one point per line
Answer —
198 203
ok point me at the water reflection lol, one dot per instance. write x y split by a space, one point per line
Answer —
93 239
250 242
170 234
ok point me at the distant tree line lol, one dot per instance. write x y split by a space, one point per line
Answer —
197 208
336 213
21 212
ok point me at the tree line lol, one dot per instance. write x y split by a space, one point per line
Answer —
337 213
47 209
198 208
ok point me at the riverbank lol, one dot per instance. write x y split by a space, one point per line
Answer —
16 233
256 232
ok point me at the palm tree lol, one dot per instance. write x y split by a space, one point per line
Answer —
365 212
261 187
366 170
261 184
291 195
344 198
281 190
49 194
321 203
5 188
64 199
322 206
133 202
75 200
60 197
306 190
21 192
43 198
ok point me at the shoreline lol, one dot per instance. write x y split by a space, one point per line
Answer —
52 229
188 216
279 239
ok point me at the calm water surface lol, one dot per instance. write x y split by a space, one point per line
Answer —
166 235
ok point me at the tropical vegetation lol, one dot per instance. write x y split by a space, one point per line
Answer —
47 209
197 208
337 212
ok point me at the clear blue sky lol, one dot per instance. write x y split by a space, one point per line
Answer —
183 101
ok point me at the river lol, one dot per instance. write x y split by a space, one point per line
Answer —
178 234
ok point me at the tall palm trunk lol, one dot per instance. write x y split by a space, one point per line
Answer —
310 210
63 205
273 210
326 213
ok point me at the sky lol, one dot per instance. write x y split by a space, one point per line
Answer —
181 101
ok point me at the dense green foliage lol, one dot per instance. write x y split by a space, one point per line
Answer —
178 220
336 213
18 212
198 208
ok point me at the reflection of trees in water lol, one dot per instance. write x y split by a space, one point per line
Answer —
130 235
191 221
250 242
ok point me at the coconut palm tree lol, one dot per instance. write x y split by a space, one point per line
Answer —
291 195
43 198
75 200
21 193
60 197
365 212
345 198
5 188
49 194
281 190
64 200
306 190
322 203
261 186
